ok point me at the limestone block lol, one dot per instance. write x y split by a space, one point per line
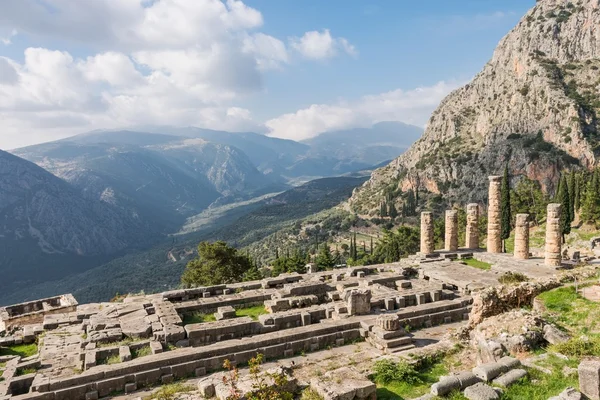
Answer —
167 378
589 378
226 312
206 388
481 391
306 319
510 378
359 301
553 335
467 379
427 242
90 359
445 385
360 274
568 394
489 371
174 333
390 304
124 353
156 347
509 362
91 395
130 387
388 322
344 383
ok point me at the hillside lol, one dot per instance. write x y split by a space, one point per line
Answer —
49 230
534 106
161 178
160 267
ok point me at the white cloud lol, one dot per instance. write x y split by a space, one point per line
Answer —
412 107
8 39
317 45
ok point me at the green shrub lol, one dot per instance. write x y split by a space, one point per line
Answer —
386 371
579 347
510 277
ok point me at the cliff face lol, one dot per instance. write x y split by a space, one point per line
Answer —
534 105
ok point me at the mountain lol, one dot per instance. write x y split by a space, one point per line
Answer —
49 230
329 154
159 268
161 178
534 106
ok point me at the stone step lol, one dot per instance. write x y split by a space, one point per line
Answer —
396 350
398 342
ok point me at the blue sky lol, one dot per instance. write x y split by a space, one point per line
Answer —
286 68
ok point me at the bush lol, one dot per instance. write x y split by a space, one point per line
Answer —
509 277
386 371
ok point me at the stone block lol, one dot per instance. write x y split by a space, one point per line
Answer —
445 385
167 378
589 378
481 391
339 342
288 353
360 274
568 394
130 387
91 395
510 378
390 304
201 371
509 362
206 389
124 353
467 379
156 347
489 371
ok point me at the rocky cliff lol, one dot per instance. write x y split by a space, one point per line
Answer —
534 106
47 229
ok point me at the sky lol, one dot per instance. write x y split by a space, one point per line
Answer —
286 68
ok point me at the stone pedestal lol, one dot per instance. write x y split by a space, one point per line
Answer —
522 237
472 234
494 239
358 301
553 236
427 244
451 230
388 322
589 379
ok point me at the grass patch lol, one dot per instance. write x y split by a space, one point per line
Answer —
422 379
471 262
25 371
310 394
569 310
510 277
198 318
168 392
252 312
111 360
124 342
23 350
141 352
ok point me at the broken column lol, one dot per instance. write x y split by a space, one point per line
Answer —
553 235
358 301
522 237
451 230
472 235
427 244
494 239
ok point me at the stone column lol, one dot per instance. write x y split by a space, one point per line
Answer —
553 235
494 241
451 230
427 244
522 237
472 236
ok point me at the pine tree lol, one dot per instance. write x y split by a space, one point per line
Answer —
505 206
564 200
572 196
325 259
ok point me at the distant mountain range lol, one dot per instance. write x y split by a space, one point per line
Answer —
73 204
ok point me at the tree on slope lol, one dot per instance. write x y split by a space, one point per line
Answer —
217 263
325 259
505 207
565 200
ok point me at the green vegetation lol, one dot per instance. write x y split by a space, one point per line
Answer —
570 311
217 263
141 352
543 386
310 394
404 381
170 391
252 312
110 360
26 371
563 198
198 318
510 277
23 350
471 262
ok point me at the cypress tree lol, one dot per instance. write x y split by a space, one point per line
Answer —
371 248
564 200
393 213
505 206
572 196
577 197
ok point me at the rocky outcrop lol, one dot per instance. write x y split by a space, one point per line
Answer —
534 104
500 299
